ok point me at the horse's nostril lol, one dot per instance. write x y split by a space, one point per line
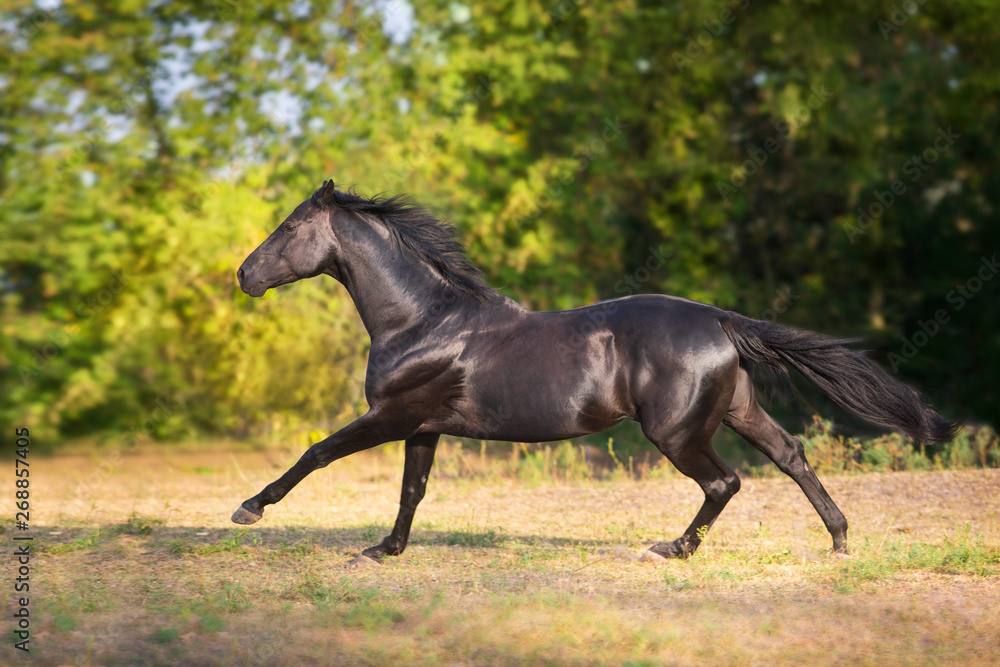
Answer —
239 275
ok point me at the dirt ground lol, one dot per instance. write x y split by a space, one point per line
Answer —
135 562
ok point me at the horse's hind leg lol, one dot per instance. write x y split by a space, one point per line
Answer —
749 420
416 468
696 459
681 425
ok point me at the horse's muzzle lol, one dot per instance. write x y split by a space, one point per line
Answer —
250 287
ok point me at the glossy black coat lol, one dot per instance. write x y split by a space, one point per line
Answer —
451 356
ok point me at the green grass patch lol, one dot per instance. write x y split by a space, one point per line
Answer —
311 588
372 612
232 542
78 544
200 470
165 635
233 598
677 583
474 540
180 547
211 623
137 524
876 562
64 623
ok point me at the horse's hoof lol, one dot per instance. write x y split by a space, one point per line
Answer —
650 556
245 517
667 551
361 560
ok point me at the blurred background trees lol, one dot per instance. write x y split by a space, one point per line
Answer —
147 147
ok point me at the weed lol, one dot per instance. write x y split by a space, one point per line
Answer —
165 635
83 542
767 628
762 532
372 613
878 562
677 583
200 470
210 623
829 453
63 623
486 540
371 533
723 573
776 558
137 524
233 597
86 595
180 547
300 550
312 589
231 543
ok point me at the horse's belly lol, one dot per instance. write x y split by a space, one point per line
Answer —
529 427
538 404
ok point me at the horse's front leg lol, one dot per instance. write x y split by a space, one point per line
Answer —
417 467
364 433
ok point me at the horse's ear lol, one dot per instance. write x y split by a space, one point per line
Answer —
324 196
327 191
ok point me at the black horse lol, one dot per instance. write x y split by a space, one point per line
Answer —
449 355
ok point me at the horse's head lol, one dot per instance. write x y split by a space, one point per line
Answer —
301 247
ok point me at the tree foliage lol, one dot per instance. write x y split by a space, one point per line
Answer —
830 165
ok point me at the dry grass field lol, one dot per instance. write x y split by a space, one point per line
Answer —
136 563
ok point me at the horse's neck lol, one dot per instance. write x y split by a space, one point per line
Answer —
391 289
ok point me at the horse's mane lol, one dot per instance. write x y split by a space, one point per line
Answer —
431 239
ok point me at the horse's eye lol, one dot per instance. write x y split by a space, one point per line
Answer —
289 227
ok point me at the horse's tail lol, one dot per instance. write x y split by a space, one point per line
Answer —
849 377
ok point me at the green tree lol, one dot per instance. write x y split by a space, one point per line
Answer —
147 147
